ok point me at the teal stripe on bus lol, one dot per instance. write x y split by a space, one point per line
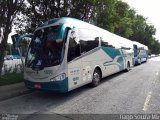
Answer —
55 86
113 52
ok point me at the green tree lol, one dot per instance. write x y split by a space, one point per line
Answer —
105 15
9 10
44 10
142 32
123 21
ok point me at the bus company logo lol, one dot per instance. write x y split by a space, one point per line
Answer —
74 72
75 78
107 63
49 72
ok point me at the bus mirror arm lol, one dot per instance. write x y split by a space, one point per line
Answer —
16 39
18 45
21 56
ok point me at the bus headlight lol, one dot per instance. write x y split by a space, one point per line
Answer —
59 77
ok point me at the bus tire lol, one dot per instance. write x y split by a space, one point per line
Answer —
128 67
96 78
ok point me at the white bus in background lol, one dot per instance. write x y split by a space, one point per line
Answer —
140 52
66 53
128 46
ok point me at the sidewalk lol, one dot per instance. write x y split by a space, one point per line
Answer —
9 91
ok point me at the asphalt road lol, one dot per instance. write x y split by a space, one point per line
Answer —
136 92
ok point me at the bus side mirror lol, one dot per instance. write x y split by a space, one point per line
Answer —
74 34
23 39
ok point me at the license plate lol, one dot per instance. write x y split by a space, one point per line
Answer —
37 86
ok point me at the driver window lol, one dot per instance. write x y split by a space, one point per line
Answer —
73 48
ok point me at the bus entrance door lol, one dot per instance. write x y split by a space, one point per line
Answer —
74 61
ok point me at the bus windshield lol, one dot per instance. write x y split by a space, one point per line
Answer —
43 50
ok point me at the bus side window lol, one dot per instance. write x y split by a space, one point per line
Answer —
73 49
105 41
89 39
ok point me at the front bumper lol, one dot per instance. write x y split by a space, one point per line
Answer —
55 86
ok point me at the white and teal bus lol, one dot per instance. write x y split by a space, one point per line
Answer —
66 53
140 53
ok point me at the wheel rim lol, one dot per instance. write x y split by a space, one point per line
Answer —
96 77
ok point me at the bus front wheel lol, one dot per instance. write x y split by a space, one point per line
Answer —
96 78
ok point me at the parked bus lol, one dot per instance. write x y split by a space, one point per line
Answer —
140 53
128 46
66 53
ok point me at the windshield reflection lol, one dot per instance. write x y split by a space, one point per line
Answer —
43 50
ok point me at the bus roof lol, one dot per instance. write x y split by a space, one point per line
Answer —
140 45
